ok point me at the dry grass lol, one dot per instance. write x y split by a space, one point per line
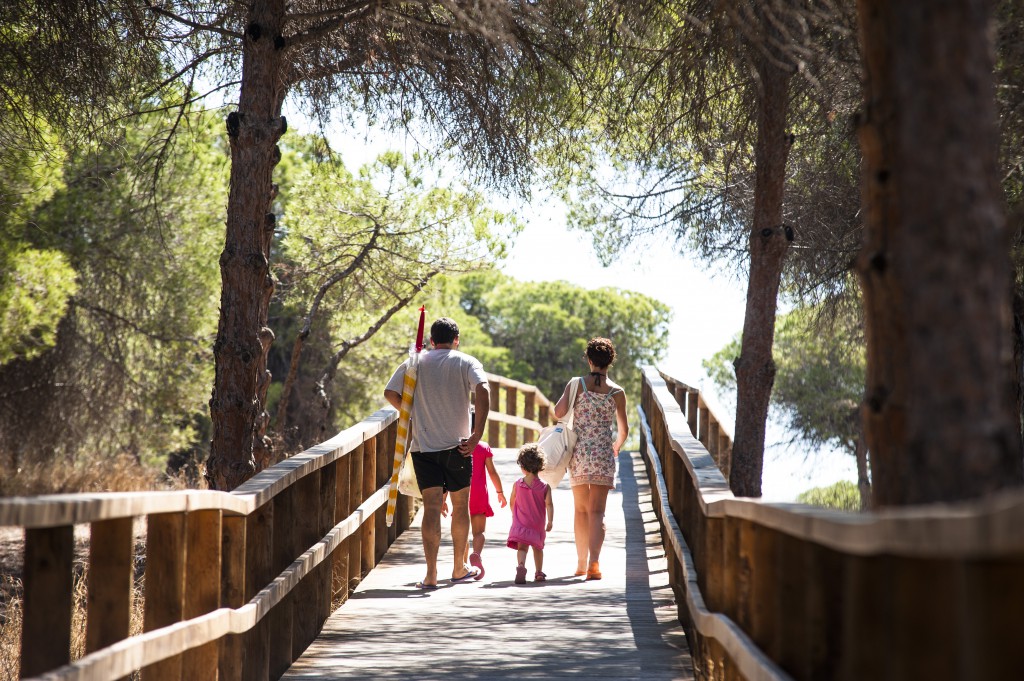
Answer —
117 474
11 594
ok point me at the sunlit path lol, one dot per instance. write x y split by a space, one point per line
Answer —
622 627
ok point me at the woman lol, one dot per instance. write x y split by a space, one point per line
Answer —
592 467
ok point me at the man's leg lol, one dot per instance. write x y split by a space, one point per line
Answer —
431 530
460 530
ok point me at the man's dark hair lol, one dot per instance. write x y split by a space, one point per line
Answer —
444 331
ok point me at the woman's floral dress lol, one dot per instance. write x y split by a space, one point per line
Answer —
593 461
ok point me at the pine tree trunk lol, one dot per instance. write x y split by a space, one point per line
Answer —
935 271
769 242
237 407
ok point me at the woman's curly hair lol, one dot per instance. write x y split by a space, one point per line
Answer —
601 352
531 458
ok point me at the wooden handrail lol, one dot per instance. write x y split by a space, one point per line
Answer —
824 594
56 510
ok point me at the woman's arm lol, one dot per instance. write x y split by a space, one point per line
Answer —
550 504
621 422
562 406
496 481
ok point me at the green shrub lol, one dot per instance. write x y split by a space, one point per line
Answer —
842 496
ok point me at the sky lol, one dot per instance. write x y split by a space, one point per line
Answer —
707 306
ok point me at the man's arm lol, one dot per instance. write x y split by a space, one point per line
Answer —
394 399
482 403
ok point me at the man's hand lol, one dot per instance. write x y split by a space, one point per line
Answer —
467 445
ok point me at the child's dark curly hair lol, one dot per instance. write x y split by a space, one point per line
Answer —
531 458
601 352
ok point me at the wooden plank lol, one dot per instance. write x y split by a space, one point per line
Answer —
232 594
165 585
111 566
621 627
46 623
202 587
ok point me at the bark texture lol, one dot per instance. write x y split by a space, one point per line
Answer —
237 408
939 410
769 242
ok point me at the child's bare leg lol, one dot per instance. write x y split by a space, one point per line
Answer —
538 559
521 554
479 522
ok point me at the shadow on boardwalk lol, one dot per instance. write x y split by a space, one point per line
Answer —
621 627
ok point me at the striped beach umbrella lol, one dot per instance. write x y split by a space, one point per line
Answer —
402 441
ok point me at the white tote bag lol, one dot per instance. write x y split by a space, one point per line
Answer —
557 442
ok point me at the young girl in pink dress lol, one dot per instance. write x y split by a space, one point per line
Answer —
531 502
480 503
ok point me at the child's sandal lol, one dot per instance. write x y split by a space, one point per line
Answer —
520 575
540 577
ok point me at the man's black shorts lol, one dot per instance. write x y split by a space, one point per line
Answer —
447 469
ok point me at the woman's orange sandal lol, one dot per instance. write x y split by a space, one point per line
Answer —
594 572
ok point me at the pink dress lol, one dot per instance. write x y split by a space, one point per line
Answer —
593 461
529 515
479 494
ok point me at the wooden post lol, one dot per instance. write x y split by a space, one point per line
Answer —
280 619
692 398
530 411
343 508
380 517
493 427
679 393
368 529
165 585
822 582
705 421
202 587
325 572
232 593
511 407
867 619
355 544
305 533
391 436
111 565
46 619
724 454
712 445
259 570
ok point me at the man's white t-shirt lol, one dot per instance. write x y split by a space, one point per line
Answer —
440 407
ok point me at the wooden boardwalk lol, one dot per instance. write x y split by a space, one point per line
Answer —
624 626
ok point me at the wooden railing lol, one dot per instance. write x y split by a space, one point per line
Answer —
518 412
785 591
238 583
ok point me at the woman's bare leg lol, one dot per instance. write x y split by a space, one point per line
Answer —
581 524
598 499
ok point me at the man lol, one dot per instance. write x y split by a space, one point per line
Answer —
442 444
